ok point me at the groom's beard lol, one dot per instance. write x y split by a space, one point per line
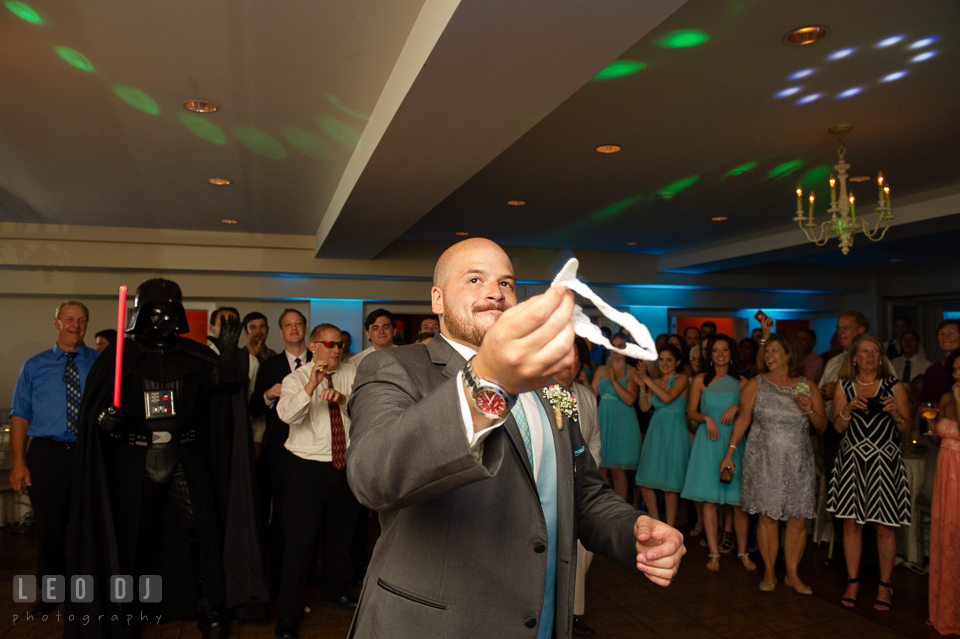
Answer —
472 327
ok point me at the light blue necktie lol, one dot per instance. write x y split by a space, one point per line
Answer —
521 418
547 489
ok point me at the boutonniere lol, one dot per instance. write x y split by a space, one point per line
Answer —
563 402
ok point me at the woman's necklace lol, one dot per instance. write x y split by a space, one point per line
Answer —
865 383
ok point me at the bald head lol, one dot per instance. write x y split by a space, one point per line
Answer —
476 248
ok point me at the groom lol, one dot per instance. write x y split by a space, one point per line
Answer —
482 486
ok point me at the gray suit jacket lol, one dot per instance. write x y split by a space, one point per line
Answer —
462 548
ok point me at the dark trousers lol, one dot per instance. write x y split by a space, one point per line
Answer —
318 506
51 473
278 459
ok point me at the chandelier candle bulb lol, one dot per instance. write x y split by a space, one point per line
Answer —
811 204
800 198
886 192
833 189
853 213
880 184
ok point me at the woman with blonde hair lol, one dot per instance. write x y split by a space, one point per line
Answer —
869 482
778 405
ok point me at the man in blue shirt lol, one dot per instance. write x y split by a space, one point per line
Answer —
46 402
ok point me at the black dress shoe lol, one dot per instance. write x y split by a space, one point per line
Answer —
43 607
286 628
344 602
581 629
212 625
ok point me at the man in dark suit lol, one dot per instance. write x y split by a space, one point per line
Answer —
481 477
273 462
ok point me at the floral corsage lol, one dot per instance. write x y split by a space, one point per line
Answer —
563 402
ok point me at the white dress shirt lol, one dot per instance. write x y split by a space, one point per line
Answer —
309 416
918 365
529 401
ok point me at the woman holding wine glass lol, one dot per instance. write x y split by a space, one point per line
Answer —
944 599
869 482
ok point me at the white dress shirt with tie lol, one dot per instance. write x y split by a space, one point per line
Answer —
309 416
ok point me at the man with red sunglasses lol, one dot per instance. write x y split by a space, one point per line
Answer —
313 400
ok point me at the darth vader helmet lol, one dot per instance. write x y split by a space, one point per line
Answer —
158 306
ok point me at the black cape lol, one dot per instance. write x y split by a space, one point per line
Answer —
106 507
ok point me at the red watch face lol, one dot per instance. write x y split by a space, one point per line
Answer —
490 403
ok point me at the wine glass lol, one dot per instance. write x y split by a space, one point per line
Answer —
930 410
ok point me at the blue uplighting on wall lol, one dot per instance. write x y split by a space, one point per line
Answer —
842 53
788 91
850 92
924 56
894 76
802 73
807 99
889 42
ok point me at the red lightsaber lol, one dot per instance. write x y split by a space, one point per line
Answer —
121 325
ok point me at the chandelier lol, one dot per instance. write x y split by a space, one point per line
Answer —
843 222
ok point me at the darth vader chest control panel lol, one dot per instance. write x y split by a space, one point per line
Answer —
159 404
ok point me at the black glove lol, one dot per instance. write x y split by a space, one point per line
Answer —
229 339
112 419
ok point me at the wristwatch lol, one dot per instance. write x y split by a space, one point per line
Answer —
489 398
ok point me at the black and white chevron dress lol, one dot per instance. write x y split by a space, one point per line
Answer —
869 481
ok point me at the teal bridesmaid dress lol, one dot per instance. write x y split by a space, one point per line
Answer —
666 449
619 428
703 472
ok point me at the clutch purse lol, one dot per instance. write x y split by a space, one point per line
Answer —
726 476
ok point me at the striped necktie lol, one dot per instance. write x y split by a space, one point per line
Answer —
337 434
71 377
521 418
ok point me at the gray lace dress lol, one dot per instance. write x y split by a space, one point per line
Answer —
778 465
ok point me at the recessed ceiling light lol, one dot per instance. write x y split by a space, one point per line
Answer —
719 218
849 92
892 40
227 220
807 99
516 202
861 178
200 106
608 148
806 35
631 243
919 44
461 233
896 259
787 91
802 73
220 181
893 76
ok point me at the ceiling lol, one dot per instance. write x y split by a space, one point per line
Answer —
368 123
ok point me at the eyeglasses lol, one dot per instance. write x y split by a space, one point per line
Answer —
329 344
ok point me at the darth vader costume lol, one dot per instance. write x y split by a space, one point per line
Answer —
164 484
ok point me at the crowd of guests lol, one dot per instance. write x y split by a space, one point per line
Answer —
739 428
733 430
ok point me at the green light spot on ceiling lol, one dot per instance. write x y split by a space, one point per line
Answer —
335 101
21 10
683 39
740 170
784 169
260 142
817 177
342 133
313 146
137 99
612 210
202 127
670 190
620 68
75 58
